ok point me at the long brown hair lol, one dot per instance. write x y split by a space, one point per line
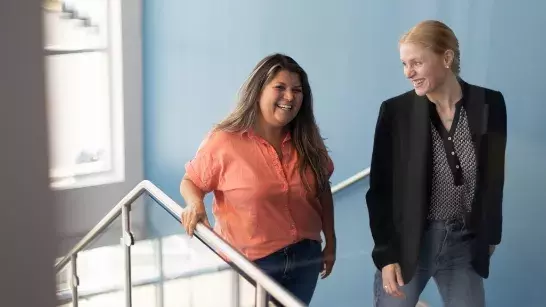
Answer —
305 133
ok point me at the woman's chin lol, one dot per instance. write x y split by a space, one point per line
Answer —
420 91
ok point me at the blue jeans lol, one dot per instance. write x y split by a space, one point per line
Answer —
445 255
295 267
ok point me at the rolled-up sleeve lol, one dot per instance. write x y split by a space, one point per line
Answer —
203 169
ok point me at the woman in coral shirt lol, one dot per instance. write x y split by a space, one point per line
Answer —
269 170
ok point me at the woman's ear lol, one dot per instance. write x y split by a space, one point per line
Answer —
449 55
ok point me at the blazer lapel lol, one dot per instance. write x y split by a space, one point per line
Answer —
476 109
419 153
419 125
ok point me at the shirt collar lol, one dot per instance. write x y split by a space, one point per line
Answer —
251 134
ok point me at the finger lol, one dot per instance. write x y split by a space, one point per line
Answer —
331 266
393 285
186 216
187 224
327 269
386 278
191 225
324 275
393 289
396 291
387 289
323 270
206 222
390 285
399 278
185 220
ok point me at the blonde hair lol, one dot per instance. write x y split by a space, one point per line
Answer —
438 37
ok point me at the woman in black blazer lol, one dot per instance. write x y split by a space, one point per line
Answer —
437 177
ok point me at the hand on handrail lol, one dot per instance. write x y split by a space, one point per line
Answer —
193 214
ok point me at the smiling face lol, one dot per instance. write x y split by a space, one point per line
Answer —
280 100
426 70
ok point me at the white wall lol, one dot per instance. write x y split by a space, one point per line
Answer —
27 236
80 209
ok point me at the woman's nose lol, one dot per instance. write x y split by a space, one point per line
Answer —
288 95
409 73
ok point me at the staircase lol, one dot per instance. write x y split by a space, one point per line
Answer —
75 24
127 275
170 271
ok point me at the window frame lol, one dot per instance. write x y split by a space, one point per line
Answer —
84 175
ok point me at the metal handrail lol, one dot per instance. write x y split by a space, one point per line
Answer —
264 284
139 189
349 181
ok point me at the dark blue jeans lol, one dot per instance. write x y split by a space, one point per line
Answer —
445 255
295 267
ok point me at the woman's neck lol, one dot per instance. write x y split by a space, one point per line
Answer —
447 95
273 135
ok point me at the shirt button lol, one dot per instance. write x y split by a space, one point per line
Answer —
452 153
449 138
456 166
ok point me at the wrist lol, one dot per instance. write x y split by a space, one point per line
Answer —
331 240
198 204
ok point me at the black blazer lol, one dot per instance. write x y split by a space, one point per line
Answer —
401 171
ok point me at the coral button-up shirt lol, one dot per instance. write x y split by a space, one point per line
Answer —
260 202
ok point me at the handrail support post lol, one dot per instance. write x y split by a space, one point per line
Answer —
261 296
74 279
127 241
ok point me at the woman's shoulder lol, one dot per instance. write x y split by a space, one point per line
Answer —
401 97
399 102
219 140
488 95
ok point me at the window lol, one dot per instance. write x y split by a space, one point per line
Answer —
84 92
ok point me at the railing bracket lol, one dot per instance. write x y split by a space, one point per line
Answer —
128 239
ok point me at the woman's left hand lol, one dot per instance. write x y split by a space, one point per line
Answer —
328 260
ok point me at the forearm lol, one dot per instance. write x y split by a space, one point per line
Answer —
379 195
495 167
193 196
328 228
381 226
494 223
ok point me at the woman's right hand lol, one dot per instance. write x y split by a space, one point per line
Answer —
193 214
392 280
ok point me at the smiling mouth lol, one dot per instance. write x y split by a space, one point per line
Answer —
418 82
285 107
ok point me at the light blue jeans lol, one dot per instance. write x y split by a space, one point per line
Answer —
445 256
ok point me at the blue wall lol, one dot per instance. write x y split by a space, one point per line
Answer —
197 53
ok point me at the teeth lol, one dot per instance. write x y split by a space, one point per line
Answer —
284 106
418 82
